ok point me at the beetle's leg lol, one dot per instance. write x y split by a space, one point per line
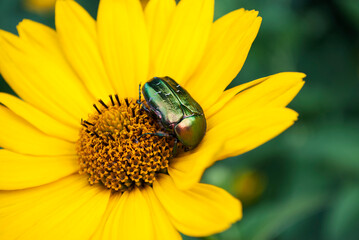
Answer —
139 102
145 108
160 134
139 94
175 148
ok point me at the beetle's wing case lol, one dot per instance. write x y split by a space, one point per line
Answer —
183 96
162 102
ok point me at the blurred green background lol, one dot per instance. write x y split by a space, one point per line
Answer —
304 184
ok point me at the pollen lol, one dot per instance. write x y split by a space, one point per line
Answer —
115 148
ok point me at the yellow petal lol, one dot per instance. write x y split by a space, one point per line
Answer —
47 74
229 43
66 209
19 136
162 225
229 94
124 44
128 218
273 91
236 134
78 37
184 41
39 35
158 14
246 131
27 91
38 119
200 211
187 170
18 171
50 52
144 3
135 214
111 207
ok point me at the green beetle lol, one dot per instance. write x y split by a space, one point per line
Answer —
176 110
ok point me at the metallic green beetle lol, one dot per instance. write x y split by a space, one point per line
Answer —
176 110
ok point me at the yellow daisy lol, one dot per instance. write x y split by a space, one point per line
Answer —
39 6
63 180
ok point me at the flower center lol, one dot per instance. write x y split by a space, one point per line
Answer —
114 151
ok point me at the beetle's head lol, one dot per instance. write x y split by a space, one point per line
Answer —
191 130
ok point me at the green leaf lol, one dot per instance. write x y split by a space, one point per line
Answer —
270 220
330 145
350 9
343 219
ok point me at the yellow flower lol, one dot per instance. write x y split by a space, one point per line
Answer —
40 6
54 180
249 185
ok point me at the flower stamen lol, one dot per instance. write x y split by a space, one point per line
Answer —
116 147
102 103
97 109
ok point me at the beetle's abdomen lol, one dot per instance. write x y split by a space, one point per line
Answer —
190 131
